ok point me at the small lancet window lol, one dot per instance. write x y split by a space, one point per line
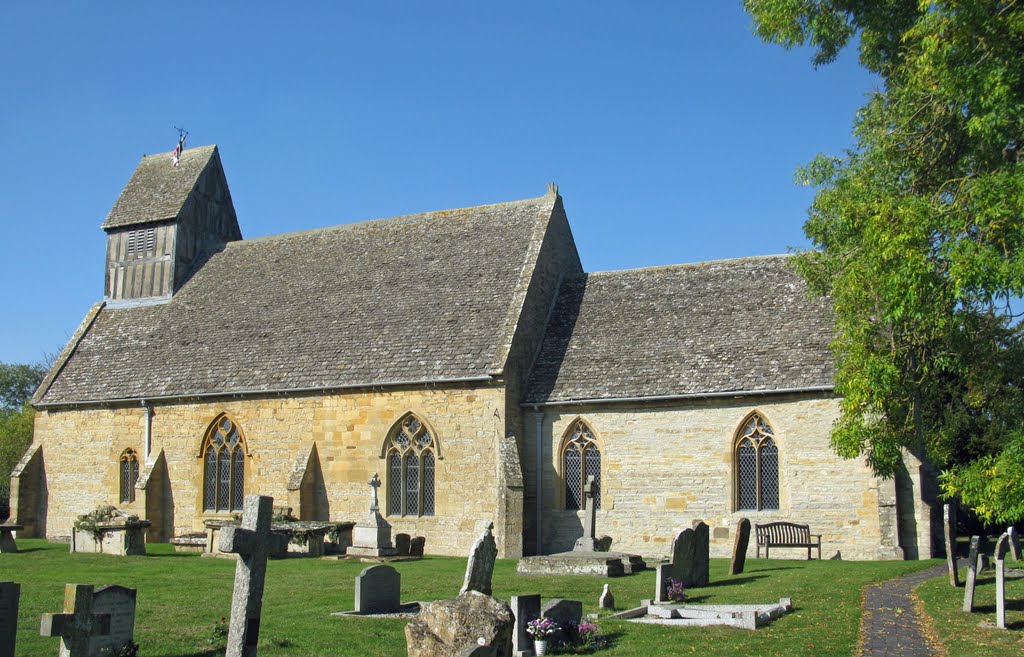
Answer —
757 467
129 474
581 459
411 454
223 467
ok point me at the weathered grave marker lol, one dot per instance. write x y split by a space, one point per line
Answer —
481 563
972 574
691 556
402 544
739 548
7 542
567 614
525 608
372 534
1002 545
949 533
663 573
77 624
607 600
119 603
9 595
588 543
1011 531
416 546
252 543
378 590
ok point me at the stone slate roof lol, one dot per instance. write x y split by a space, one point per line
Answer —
423 297
712 327
158 189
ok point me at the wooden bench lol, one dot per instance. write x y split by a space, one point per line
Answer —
786 534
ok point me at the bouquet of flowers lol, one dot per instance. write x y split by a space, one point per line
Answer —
676 592
541 628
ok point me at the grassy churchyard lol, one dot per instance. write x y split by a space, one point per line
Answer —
181 598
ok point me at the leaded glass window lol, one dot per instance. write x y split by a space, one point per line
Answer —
581 459
411 454
223 467
129 474
757 467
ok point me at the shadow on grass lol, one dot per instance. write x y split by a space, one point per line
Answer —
1011 605
27 550
212 652
764 570
735 580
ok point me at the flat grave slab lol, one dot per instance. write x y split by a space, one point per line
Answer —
596 564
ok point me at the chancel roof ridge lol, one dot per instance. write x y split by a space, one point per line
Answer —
692 265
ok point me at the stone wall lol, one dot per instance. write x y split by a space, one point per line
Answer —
82 447
666 466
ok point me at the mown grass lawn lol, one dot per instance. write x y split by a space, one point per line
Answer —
182 596
974 634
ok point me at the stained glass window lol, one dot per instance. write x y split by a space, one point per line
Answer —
757 467
411 459
581 459
223 467
129 475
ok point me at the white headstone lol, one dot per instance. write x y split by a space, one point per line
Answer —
480 566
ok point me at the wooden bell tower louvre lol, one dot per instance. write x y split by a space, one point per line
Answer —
167 220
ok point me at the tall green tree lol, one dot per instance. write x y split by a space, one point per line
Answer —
919 230
17 384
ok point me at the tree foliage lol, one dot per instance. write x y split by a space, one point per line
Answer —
919 232
17 384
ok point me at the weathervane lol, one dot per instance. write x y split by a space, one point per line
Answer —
182 135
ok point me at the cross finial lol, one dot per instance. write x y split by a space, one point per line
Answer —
589 488
374 485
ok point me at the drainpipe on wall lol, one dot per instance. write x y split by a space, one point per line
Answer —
538 428
148 445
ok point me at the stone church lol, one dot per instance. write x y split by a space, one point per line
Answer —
466 357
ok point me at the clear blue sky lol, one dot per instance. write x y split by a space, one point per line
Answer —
672 132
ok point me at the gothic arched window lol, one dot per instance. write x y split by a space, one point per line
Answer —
757 466
223 466
581 459
411 453
129 469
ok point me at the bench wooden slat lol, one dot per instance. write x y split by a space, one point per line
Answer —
786 534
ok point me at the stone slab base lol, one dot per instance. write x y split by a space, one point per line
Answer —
354 551
362 559
595 564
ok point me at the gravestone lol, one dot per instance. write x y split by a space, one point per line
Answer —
739 548
1002 546
7 542
403 543
607 600
567 614
372 535
1011 531
10 592
663 572
691 557
603 543
378 590
588 543
252 543
481 563
77 625
949 533
983 548
525 608
972 574
119 603
416 546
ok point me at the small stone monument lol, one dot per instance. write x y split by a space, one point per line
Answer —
119 603
10 593
607 600
567 614
525 608
378 590
949 533
663 573
78 624
1011 531
403 543
691 557
481 563
417 545
7 543
972 574
739 548
1002 546
588 542
372 535
252 543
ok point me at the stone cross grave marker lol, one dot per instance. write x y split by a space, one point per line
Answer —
119 603
481 563
739 548
1002 545
378 590
949 533
374 485
252 543
972 574
9 595
588 542
77 624
525 608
